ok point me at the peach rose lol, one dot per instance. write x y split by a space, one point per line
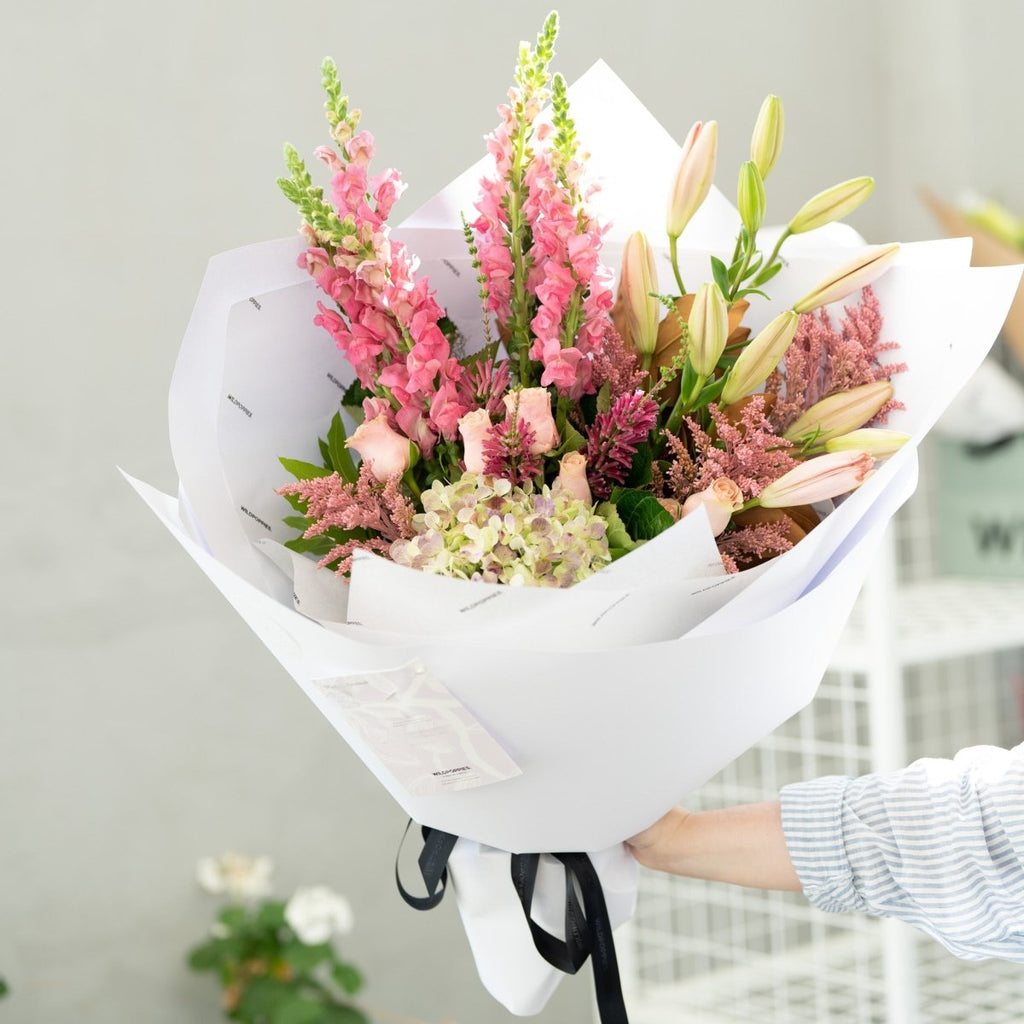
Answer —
535 409
721 499
382 448
474 427
572 476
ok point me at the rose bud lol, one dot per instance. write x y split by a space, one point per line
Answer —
826 476
721 499
708 326
382 448
849 278
535 408
474 427
878 443
572 477
760 357
766 141
840 413
832 204
640 278
693 178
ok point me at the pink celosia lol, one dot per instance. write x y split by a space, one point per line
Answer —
613 439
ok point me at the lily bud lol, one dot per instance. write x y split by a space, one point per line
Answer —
760 357
639 279
694 176
766 142
832 204
878 443
708 326
849 278
750 197
826 476
839 414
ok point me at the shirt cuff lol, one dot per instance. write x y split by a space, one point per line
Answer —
812 823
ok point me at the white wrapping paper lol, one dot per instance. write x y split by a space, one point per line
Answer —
617 697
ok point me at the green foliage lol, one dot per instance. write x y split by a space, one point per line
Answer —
641 513
4 988
619 541
271 975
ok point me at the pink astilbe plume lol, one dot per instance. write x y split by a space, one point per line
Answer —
681 472
749 544
822 360
749 452
613 439
332 502
507 451
617 365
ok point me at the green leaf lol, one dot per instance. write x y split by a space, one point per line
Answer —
207 957
641 513
303 958
325 452
271 913
4 989
640 471
480 356
339 1014
618 536
341 457
750 291
572 439
720 274
300 523
767 274
604 397
298 1010
261 997
348 977
304 470
318 546
354 394
233 916
711 392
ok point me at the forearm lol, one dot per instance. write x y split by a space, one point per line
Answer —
743 845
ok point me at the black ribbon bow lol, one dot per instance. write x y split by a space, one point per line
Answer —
588 930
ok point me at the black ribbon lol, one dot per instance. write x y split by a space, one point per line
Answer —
588 930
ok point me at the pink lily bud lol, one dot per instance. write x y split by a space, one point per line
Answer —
826 476
720 500
840 413
849 278
382 448
708 326
694 176
878 443
572 477
760 357
474 427
535 408
639 279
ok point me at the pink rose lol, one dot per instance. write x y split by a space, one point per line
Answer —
721 499
382 448
474 428
572 476
535 408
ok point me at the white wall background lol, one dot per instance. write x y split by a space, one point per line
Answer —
141 725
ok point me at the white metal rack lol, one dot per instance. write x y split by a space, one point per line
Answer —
927 666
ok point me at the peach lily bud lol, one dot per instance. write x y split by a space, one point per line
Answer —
708 326
639 279
878 443
474 427
382 448
750 199
826 476
694 176
839 414
832 204
760 357
850 277
766 142
721 499
535 408
572 477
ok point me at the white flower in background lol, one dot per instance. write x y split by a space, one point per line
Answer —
317 913
240 877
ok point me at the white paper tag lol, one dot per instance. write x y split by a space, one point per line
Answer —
420 730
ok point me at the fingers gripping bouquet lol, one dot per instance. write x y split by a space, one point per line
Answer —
569 470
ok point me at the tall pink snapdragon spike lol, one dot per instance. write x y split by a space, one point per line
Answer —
826 476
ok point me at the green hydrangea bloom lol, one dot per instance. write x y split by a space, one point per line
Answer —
484 528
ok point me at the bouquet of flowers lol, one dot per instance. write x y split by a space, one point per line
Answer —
546 601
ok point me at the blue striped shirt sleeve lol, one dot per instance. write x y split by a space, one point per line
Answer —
939 845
